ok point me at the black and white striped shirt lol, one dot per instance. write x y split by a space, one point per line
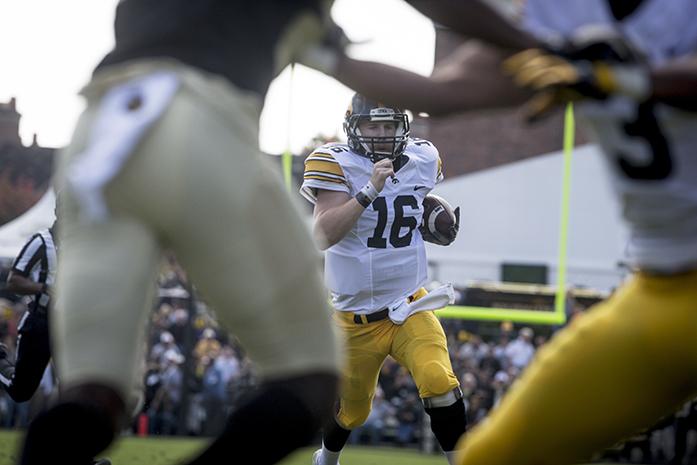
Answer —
38 261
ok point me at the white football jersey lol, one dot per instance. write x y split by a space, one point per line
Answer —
382 260
649 147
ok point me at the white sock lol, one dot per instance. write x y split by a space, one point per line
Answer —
328 457
450 455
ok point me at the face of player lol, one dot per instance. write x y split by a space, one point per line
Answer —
379 129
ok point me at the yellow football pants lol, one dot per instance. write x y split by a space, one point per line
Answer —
419 345
616 370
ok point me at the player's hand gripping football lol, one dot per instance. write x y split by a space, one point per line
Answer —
450 235
456 227
440 222
381 171
590 66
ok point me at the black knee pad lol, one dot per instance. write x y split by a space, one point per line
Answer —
448 424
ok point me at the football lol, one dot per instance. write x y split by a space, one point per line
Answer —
440 222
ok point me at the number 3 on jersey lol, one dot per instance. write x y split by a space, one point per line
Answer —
647 128
377 241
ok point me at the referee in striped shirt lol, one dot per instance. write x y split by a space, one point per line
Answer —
32 274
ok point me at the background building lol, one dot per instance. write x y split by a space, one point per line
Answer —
25 174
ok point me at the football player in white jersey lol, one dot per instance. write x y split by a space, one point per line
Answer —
633 358
368 198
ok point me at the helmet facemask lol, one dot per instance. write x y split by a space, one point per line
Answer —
377 147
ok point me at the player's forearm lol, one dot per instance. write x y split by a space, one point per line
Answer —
21 285
395 86
676 84
475 18
334 224
473 84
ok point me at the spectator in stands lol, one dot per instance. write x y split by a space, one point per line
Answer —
208 345
408 417
489 363
166 404
500 385
521 350
499 347
371 431
228 363
469 384
214 396
165 345
479 405
178 323
474 348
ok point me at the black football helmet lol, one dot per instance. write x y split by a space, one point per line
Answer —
362 109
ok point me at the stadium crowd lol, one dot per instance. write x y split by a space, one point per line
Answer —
194 374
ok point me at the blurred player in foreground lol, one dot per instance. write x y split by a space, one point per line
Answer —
165 156
632 68
368 197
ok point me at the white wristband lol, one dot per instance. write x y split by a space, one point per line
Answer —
633 82
367 194
370 191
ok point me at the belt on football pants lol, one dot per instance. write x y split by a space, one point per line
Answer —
371 317
385 312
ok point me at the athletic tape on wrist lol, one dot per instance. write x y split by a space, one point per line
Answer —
633 81
367 194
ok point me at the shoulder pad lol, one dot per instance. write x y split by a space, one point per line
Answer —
322 166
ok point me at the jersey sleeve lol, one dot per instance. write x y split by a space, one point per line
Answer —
322 171
28 256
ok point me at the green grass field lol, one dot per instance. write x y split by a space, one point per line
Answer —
160 451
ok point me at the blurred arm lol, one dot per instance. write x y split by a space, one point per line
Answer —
470 79
675 83
18 284
476 19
